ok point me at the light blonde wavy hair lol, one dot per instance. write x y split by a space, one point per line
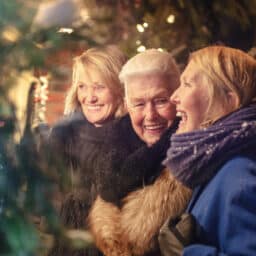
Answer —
108 61
227 70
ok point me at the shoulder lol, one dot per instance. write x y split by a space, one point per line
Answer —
232 188
233 179
239 166
118 126
120 131
236 179
67 126
68 120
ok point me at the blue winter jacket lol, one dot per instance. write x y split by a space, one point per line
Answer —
225 209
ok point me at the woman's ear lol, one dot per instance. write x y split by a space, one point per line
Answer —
233 100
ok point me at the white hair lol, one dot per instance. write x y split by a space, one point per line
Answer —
151 61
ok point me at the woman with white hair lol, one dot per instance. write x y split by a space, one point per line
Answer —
143 193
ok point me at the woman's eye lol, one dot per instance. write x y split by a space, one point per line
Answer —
161 101
138 105
81 86
186 84
100 87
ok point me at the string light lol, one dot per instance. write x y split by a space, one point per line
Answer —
141 48
138 42
66 30
170 19
145 24
140 28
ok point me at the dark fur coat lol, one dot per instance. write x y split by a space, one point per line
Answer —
81 155
146 200
107 163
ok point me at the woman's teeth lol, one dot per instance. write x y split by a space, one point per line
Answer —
154 127
94 107
183 115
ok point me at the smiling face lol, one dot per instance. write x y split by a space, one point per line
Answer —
149 106
191 99
97 100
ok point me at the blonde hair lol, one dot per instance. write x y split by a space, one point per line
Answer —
226 70
108 61
151 61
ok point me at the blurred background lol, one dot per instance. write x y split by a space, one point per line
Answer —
38 40
42 37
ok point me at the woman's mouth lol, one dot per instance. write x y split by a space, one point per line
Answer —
94 107
182 115
154 127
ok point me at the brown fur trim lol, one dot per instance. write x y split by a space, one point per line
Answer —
134 229
145 210
104 223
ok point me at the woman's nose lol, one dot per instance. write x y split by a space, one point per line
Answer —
91 96
175 97
150 111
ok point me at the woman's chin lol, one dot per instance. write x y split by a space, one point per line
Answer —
181 129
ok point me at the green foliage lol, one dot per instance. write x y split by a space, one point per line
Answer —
24 189
22 192
20 236
195 24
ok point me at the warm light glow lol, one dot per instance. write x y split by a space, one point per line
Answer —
140 28
84 14
43 89
138 42
40 46
66 30
160 49
170 19
11 34
141 48
145 24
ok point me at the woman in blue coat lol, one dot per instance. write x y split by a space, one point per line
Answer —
214 153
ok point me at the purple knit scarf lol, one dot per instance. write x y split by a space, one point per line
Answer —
195 157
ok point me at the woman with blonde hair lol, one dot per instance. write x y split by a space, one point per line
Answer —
213 153
103 64
93 102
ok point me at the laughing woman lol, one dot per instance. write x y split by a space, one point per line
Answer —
214 152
